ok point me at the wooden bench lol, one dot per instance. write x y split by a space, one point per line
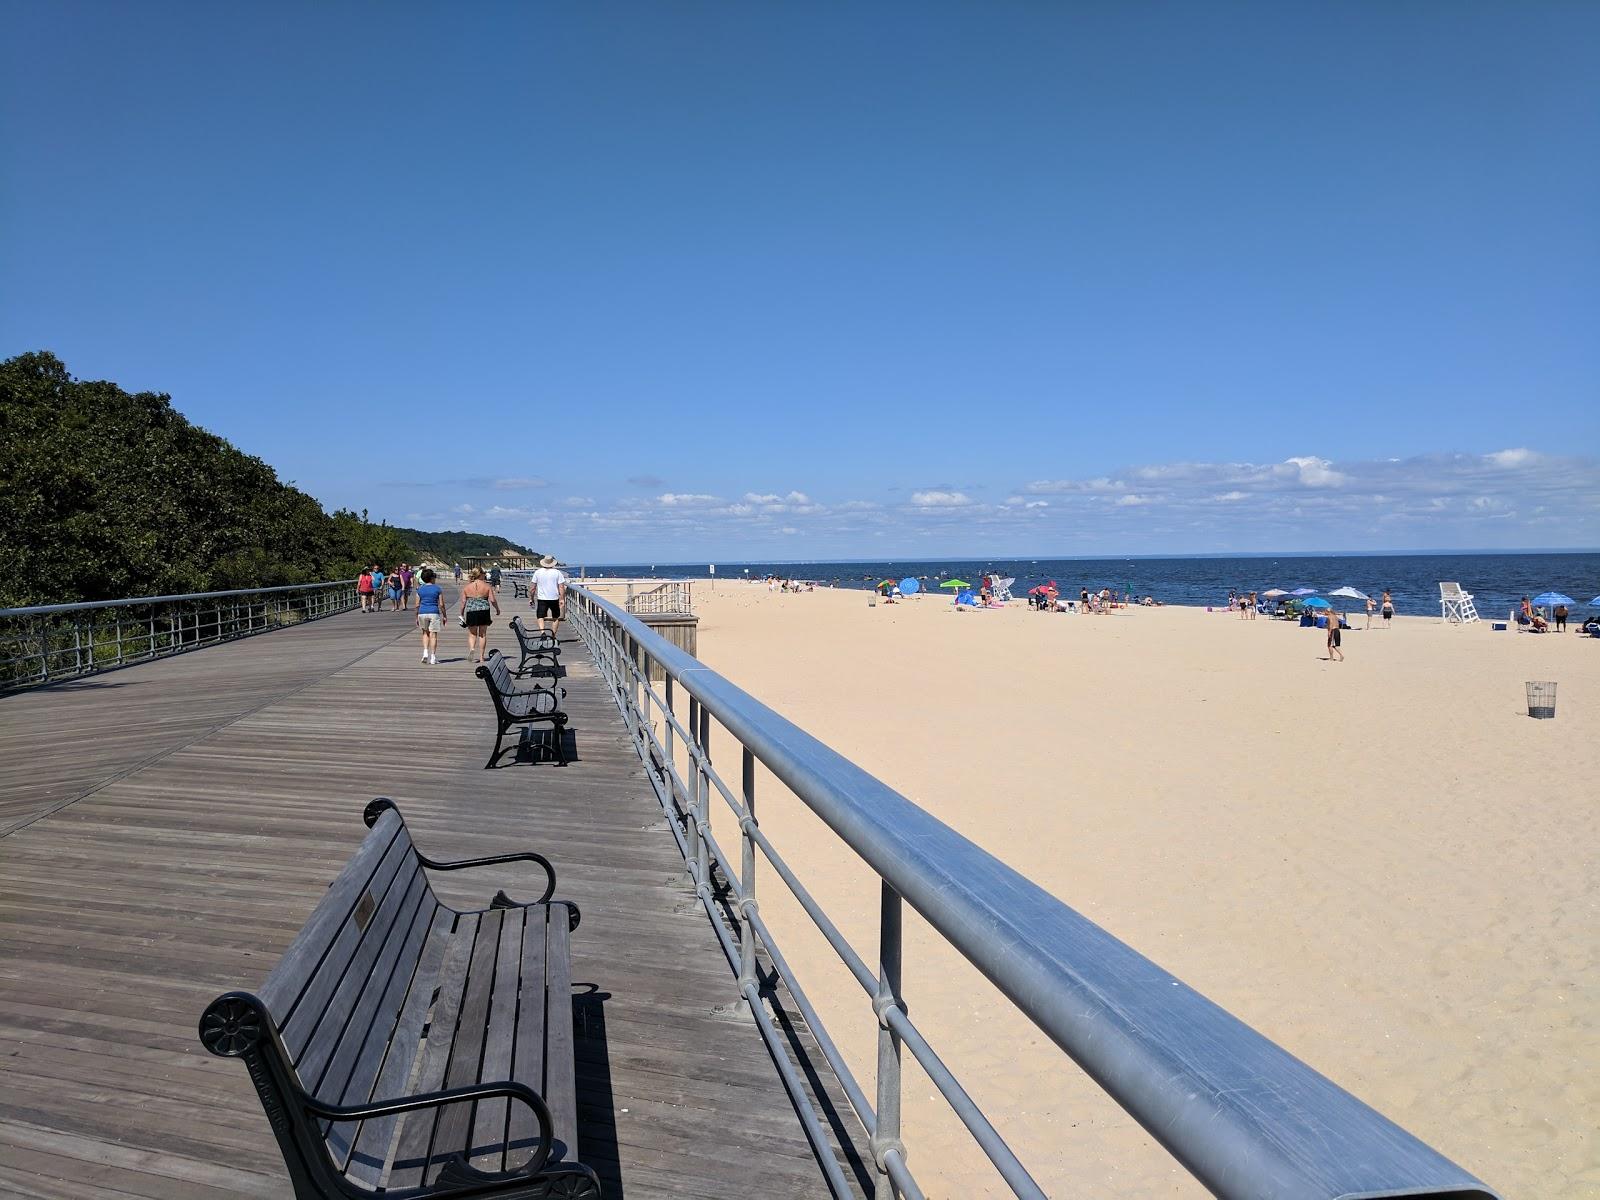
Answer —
541 653
515 706
401 1048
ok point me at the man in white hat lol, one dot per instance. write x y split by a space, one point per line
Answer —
549 591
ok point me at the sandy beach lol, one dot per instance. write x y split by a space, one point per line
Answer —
1383 864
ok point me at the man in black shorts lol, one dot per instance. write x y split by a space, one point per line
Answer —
549 590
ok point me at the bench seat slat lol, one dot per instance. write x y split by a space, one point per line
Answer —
288 977
466 1055
487 1144
373 1030
369 1150
527 1064
560 1090
416 1129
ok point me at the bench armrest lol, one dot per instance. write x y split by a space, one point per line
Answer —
382 804
476 1091
495 860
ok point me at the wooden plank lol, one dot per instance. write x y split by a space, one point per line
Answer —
506 1021
388 929
173 897
559 1091
466 1052
369 1147
284 982
527 1066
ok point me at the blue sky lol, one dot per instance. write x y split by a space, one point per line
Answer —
682 280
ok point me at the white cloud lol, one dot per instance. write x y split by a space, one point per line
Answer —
774 498
1134 500
1037 504
520 483
940 499
579 502
1315 472
1058 486
685 499
1521 457
464 510
1231 497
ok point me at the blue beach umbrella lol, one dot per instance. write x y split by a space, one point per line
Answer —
1595 603
909 586
1317 602
1551 599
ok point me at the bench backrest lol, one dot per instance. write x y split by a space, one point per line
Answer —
498 675
336 996
535 641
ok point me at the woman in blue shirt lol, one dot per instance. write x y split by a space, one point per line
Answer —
430 615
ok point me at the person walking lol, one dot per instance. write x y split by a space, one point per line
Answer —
1371 608
494 577
477 599
364 588
458 572
549 592
1334 653
1388 608
408 583
396 590
377 588
430 615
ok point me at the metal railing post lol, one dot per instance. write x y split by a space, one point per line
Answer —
887 1135
696 845
702 735
747 873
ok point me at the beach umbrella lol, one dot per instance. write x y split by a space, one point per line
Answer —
910 586
1595 603
1272 593
1317 602
1551 599
1304 592
955 583
1350 593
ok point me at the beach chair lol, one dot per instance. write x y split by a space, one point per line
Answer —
1455 606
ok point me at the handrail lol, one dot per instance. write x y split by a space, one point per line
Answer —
46 643
1241 1114
35 609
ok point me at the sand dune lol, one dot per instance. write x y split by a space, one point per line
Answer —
1382 864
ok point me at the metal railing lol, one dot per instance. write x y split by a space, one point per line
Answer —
1242 1115
46 643
673 597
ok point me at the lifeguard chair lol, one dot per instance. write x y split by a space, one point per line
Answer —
1455 605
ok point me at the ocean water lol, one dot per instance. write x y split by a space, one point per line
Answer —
1497 581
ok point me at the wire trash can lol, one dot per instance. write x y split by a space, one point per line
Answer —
1541 700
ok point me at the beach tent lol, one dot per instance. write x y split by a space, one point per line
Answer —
1350 593
909 585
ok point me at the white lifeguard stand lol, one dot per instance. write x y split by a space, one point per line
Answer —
1455 605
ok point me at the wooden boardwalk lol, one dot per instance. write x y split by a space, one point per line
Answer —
165 829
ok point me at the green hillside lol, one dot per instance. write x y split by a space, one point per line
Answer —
106 494
451 545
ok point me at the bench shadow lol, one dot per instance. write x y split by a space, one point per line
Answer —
597 1103
537 745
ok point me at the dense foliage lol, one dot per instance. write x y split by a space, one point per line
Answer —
106 495
452 545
